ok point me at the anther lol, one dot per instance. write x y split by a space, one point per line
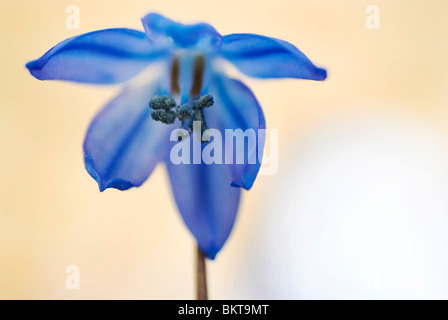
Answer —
185 112
162 103
164 116
165 109
204 102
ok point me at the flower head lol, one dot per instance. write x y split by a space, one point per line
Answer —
131 134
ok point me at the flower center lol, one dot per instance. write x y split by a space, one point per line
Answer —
165 109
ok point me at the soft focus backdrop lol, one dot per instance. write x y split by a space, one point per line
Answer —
358 208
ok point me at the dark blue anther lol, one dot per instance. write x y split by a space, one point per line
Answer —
166 117
192 111
162 103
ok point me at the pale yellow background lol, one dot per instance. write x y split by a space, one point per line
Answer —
133 244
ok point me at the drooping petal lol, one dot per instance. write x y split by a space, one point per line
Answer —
102 57
200 35
123 144
264 57
207 195
236 107
206 201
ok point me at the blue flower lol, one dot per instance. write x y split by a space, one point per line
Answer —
173 64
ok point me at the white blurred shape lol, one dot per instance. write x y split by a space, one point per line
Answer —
360 211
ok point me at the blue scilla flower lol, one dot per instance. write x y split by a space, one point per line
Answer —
176 69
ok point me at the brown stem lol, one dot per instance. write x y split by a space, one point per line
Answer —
198 75
175 70
201 276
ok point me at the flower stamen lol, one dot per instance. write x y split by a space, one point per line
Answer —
165 109
198 75
175 70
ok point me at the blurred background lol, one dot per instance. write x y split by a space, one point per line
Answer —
358 208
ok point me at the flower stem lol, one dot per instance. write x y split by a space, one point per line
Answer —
201 276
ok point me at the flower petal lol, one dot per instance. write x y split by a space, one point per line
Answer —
236 107
102 57
200 35
264 57
207 195
123 143
207 202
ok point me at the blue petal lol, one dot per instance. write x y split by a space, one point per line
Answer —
207 195
201 35
123 143
207 202
101 57
264 57
236 107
